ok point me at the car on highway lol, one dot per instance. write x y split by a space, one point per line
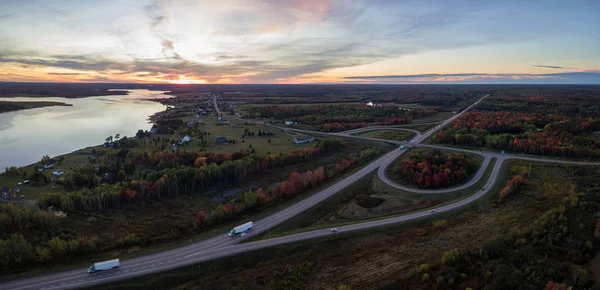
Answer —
244 234
334 230
432 211
483 188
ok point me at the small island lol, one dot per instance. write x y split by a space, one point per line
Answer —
6 106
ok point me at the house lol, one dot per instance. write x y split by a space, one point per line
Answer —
221 140
5 192
186 139
154 129
58 173
174 147
192 122
290 123
370 104
108 178
304 139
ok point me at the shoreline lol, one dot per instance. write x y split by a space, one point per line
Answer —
13 106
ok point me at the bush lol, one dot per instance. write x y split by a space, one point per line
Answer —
128 240
424 268
425 278
440 281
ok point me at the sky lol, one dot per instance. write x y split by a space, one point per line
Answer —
300 41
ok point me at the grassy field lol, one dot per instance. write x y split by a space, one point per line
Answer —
281 142
397 135
32 190
377 257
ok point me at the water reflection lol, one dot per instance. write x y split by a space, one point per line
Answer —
27 135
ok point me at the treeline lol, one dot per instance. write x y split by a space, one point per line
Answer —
43 243
17 252
194 177
15 219
295 184
548 135
329 115
18 105
575 102
434 169
338 127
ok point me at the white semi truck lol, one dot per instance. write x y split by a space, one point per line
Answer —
240 229
106 265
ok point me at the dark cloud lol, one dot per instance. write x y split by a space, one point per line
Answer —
66 74
157 16
86 63
7 16
415 76
589 77
552 66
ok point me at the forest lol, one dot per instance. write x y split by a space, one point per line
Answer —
335 118
553 253
166 174
31 237
547 125
433 169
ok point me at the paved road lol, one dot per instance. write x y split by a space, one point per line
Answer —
223 246
406 126
214 97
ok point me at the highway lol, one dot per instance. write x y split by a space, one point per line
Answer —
223 246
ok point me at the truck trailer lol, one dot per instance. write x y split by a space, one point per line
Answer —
240 229
106 265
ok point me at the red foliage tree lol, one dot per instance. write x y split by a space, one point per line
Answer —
129 194
288 189
200 217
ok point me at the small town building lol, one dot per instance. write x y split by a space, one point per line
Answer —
303 139
58 173
186 139
221 140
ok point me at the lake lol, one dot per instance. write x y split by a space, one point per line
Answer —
27 135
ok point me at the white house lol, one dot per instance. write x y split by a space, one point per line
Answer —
58 173
185 139
370 104
304 139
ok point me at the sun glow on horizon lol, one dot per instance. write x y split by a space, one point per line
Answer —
187 81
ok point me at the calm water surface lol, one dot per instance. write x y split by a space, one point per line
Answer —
25 136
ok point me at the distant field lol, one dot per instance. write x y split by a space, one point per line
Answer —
397 135
280 142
